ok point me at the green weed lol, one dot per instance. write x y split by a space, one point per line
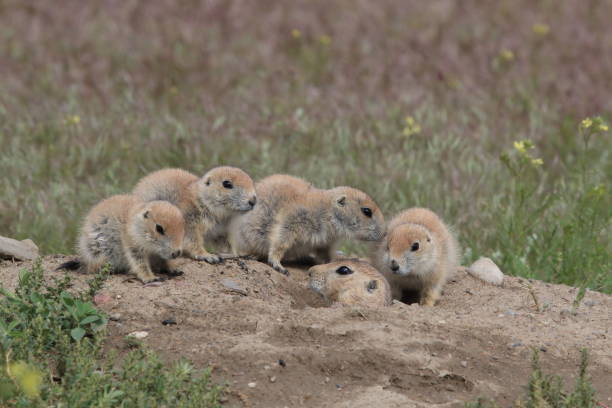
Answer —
548 391
51 341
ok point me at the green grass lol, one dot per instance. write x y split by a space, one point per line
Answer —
51 344
548 390
195 87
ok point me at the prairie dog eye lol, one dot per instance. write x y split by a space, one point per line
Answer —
344 270
228 184
367 212
414 247
159 229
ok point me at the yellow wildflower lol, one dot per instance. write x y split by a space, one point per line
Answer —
541 29
325 39
586 123
537 162
506 55
520 146
598 191
27 378
72 120
412 127
603 127
295 33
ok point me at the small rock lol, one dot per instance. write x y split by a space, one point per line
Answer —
486 270
464 364
327 379
511 312
338 386
544 349
267 367
282 363
101 298
115 317
138 334
169 322
233 287
25 250
442 321
273 379
252 384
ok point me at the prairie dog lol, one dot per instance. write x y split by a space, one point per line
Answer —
293 219
208 203
350 282
418 253
131 236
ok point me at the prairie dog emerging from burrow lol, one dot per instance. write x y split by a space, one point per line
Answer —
208 203
419 253
350 282
131 236
294 219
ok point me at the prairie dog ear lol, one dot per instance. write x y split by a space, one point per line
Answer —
341 201
145 214
372 286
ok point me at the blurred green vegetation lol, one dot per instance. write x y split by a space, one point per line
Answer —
416 106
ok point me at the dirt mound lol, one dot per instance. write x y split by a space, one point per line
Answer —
273 343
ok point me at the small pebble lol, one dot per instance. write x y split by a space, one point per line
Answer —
101 299
511 312
169 322
267 367
464 364
115 317
544 349
338 387
138 334
327 379
252 385
272 379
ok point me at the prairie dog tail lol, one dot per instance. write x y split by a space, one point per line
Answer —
71 265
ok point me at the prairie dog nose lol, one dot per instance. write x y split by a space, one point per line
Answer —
252 201
394 265
176 254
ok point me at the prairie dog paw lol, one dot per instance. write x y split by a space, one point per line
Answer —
280 268
211 259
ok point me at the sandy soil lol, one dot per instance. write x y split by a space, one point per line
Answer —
275 345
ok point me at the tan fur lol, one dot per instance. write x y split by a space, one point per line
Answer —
294 219
207 205
364 286
121 231
425 269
